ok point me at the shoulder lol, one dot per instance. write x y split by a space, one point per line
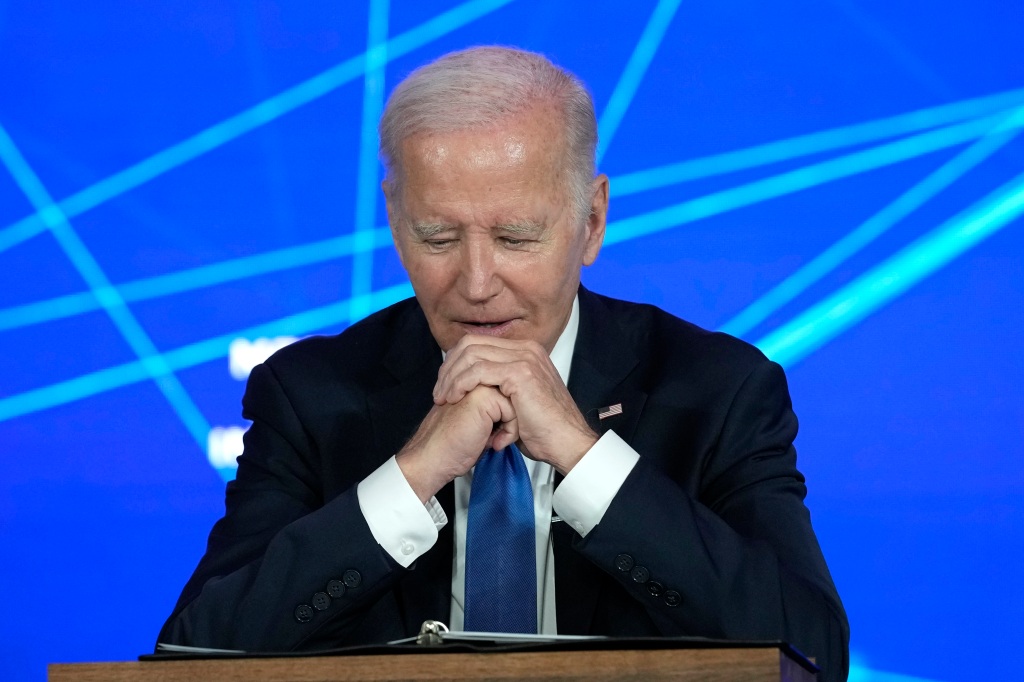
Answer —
668 342
356 353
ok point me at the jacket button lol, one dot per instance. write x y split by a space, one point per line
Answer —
640 574
336 589
673 598
351 578
304 613
321 601
655 588
623 562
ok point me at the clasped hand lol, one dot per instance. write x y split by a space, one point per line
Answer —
490 393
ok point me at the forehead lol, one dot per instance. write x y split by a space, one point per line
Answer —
506 168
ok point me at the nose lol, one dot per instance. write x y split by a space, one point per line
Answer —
479 280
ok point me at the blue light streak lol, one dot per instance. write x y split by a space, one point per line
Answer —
246 121
368 176
20 231
818 325
196 278
636 67
874 227
799 179
90 270
860 673
814 143
190 355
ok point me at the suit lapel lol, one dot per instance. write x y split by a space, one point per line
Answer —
603 360
395 412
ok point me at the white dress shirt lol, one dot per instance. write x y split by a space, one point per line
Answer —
407 528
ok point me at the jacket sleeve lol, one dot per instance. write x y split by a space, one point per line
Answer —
283 569
739 560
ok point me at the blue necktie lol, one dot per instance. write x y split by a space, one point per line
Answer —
501 556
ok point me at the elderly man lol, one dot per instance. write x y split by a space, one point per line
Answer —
508 451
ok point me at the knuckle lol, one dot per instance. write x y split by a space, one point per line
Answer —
526 369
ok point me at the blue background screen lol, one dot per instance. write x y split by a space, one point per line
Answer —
186 186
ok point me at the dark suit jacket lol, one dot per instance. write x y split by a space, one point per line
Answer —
713 510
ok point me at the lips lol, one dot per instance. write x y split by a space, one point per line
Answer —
486 327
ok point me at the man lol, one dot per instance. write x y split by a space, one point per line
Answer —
664 451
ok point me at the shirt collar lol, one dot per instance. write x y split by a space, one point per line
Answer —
561 354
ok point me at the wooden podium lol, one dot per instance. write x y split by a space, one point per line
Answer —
760 663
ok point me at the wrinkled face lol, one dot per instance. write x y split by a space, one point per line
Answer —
486 232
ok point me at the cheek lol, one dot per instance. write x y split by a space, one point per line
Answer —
430 277
544 285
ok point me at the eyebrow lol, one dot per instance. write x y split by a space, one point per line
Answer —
428 230
525 227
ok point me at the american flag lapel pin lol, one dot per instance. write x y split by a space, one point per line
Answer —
609 411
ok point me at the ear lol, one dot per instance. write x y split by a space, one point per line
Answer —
596 220
394 215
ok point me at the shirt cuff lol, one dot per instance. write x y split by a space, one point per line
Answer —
401 524
585 494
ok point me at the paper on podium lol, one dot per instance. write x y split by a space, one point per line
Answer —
162 648
436 632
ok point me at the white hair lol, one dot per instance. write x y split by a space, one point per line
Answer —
482 86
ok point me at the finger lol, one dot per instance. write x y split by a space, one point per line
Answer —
507 429
456 352
498 408
506 433
465 377
475 342
498 412
506 375
461 353
502 438
462 369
